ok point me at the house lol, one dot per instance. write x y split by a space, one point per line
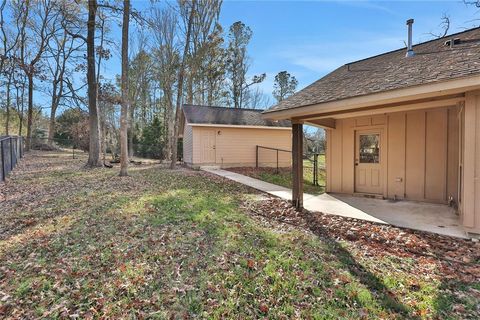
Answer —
228 137
400 125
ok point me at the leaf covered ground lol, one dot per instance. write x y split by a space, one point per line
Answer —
162 244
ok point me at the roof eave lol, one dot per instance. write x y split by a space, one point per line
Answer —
397 95
238 126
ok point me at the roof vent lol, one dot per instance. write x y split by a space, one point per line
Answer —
452 42
410 52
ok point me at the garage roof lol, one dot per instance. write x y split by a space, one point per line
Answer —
198 114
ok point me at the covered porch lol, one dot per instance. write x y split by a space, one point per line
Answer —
424 154
435 218
430 217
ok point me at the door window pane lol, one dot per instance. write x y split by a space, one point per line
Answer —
369 148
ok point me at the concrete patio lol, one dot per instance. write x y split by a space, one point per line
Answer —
435 218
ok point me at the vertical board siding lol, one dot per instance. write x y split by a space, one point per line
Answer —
477 167
471 163
336 154
436 155
188 144
420 151
396 156
415 156
453 153
348 156
328 159
237 146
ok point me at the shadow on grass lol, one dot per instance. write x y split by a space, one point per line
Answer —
375 285
172 236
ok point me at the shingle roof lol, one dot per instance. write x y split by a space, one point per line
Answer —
433 62
197 114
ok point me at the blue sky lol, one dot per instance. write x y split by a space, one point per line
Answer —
311 38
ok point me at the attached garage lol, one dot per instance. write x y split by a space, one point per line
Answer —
228 137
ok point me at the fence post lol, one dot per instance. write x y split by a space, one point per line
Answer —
3 161
256 158
11 154
277 161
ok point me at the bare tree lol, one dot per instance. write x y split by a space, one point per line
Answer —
204 26
61 48
237 63
163 24
181 74
35 32
7 67
444 25
257 99
94 144
125 94
139 87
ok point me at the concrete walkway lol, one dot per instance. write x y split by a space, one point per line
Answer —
422 216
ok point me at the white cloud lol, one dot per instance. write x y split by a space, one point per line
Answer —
374 5
322 57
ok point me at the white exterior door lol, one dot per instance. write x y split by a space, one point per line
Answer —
207 146
368 162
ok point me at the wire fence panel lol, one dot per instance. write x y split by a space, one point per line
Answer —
11 150
273 158
111 151
313 164
314 169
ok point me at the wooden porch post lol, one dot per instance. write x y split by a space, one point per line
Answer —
297 161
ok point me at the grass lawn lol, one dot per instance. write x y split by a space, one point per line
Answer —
284 176
164 244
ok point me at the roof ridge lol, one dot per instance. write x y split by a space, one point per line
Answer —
403 48
220 107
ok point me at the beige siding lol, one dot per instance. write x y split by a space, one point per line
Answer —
419 152
471 163
237 146
188 144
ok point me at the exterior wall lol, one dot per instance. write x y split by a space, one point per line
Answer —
419 154
237 146
470 154
188 144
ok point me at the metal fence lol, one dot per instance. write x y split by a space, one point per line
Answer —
110 151
11 150
313 167
272 157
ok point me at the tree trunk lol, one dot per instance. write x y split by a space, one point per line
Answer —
168 120
20 109
51 128
51 123
131 132
125 97
181 72
28 143
7 120
94 143
190 88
